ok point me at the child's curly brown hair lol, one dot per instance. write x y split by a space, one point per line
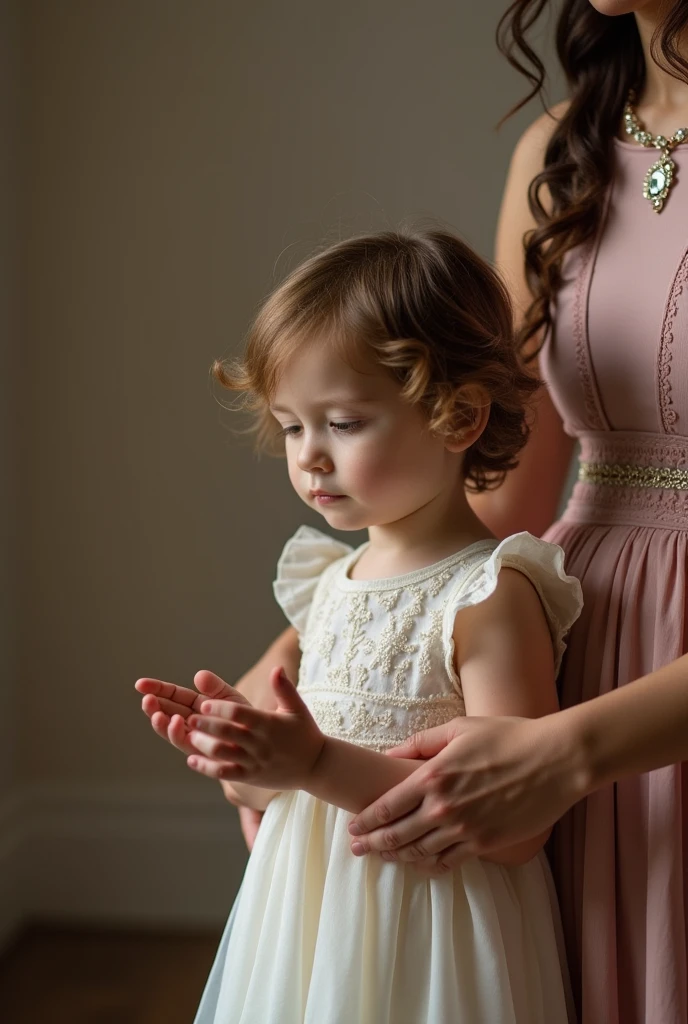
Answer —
430 311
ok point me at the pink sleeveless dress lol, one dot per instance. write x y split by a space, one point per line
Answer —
617 367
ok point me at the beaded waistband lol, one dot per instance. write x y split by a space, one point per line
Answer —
617 474
633 479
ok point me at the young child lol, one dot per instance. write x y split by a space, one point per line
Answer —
387 366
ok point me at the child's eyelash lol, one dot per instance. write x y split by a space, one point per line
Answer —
347 426
342 426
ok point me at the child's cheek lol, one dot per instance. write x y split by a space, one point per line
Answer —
295 475
377 470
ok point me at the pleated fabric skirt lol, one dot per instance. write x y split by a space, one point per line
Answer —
318 936
620 857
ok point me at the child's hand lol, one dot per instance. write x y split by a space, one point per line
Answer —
168 706
271 749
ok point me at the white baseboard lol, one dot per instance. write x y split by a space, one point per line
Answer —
126 856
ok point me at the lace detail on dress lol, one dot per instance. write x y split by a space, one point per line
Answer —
635 449
372 671
666 405
580 336
627 506
356 723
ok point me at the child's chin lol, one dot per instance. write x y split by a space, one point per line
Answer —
340 519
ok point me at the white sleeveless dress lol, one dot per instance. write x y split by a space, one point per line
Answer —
318 936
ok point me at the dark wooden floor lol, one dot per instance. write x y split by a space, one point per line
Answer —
57 976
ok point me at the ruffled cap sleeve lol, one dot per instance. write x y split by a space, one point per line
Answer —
543 563
303 561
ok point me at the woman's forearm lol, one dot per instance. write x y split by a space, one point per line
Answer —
255 684
635 728
351 777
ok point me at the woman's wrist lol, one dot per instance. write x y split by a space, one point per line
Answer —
572 743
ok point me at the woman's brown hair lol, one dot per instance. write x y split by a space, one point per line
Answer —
429 310
603 60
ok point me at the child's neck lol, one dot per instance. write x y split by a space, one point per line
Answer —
435 531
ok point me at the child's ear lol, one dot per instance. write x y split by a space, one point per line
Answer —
472 413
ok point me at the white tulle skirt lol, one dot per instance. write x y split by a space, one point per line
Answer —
318 936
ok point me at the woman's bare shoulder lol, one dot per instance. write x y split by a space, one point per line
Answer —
515 217
529 152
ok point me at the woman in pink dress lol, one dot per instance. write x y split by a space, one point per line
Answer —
608 270
605 299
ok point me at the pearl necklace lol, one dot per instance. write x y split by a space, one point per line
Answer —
660 176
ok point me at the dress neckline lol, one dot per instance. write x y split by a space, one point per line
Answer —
344 582
646 150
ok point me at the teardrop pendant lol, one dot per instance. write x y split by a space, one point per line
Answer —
658 181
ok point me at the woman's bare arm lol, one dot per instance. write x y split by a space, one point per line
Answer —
635 728
529 497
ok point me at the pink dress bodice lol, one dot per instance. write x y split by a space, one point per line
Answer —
612 361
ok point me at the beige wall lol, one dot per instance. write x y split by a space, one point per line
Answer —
9 481
9 356
181 156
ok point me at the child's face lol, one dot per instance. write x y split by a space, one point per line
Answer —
356 450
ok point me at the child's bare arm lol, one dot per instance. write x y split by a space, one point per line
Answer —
504 658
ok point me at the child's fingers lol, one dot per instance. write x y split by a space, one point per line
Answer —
172 729
173 707
288 697
160 723
227 732
220 770
221 750
178 735
168 691
150 705
210 685
240 714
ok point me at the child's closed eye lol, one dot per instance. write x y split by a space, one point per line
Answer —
348 426
340 426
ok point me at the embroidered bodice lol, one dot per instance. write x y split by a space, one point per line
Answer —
377 655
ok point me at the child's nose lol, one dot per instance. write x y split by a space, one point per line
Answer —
313 458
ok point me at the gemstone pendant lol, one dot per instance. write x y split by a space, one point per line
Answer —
658 182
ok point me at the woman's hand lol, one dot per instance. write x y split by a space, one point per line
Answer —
489 783
270 749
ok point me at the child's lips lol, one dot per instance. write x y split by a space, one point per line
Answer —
326 498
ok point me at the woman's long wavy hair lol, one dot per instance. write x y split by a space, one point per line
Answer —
603 60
